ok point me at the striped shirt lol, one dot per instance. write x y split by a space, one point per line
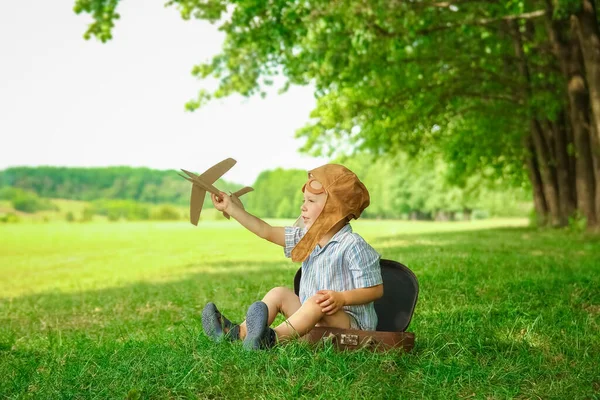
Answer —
346 262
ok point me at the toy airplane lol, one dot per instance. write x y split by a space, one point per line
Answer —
204 183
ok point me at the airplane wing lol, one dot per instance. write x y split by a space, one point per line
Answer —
216 171
196 203
243 191
203 183
185 177
200 182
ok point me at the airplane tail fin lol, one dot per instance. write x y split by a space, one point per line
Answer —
243 191
235 198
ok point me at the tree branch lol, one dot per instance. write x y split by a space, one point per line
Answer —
484 21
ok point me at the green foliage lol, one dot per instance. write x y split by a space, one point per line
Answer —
402 187
577 222
211 215
88 214
89 184
166 213
9 218
115 210
27 201
416 78
8 193
285 209
277 193
104 14
396 78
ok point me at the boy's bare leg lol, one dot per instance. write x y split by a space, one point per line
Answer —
307 316
279 299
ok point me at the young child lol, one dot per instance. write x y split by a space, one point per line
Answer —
341 276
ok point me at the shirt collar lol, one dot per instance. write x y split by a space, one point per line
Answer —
336 238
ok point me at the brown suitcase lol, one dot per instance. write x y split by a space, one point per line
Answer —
394 312
351 339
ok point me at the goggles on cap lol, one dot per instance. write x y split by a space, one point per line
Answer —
313 186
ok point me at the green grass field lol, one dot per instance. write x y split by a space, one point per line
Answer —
105 310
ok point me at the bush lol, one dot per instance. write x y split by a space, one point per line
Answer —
9 218
126 209
578 222
8 193
87 214
212 214
166 213
480 214
29 202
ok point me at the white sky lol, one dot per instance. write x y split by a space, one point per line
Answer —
65 101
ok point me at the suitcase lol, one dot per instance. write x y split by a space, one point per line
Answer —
394 312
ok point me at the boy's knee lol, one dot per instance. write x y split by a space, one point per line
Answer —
312 303
278 292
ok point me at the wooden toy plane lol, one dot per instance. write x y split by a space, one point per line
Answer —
204 183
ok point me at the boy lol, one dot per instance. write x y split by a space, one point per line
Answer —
341 276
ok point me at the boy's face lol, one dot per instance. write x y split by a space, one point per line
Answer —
312 206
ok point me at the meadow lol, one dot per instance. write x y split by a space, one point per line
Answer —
111 310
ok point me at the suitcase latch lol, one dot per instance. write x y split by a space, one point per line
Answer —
351 340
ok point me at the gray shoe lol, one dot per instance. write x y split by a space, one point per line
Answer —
216 326
259 335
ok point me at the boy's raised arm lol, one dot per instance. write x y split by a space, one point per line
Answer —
274 234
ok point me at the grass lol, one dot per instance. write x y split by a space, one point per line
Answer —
106 310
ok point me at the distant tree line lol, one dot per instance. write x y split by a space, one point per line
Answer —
88 184
399 188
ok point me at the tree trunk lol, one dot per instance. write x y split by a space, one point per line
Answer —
539 200
588 32
540 146
547 172
566 198
586 27
467 214
585 182
596 161
571 65
580 118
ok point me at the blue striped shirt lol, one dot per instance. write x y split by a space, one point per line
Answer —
346 262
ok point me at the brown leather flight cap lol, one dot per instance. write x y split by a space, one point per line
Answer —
347 197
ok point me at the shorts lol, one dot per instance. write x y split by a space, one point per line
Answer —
353 322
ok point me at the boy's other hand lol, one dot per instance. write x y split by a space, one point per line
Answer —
330 301
222 202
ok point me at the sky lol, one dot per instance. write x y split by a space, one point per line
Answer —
65 101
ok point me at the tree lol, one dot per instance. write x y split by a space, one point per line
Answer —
285 209
277 193
513 86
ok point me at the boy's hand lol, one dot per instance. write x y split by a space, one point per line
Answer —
331 301
222 202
